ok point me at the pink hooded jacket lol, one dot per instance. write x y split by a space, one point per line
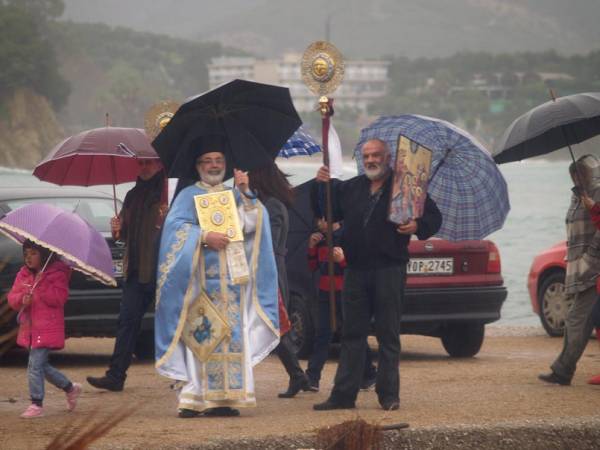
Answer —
42 323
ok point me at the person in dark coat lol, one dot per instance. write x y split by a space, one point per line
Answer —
376 252
583 268
594 209
318 260
275 192
138 225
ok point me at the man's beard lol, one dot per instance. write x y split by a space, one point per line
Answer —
212 178
376 173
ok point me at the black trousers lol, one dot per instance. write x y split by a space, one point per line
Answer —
376 293
287 355
136 299
596 313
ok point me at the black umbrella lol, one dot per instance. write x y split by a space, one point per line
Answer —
256 120
555 124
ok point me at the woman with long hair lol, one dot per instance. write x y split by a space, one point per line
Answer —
275 192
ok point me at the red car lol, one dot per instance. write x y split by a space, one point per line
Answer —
546 284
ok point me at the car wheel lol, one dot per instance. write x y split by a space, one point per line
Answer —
463 340
553 304
144 347
302 331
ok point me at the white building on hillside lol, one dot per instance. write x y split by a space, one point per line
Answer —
364 80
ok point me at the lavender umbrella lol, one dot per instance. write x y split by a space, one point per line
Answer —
66 234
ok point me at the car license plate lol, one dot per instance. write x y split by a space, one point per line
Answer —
118 267
430 266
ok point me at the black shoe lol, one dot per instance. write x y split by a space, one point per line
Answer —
368 383
554 378
314 386
108 383
187 413
221 411
391 405
295 386
329 404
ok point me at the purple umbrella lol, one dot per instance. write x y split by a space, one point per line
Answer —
66 234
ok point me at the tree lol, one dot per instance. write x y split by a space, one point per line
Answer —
123 97
41 10
26 57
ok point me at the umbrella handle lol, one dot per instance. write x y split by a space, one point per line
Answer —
37 280
115 199
35 283
116 234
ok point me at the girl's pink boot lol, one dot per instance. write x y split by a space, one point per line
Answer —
33 411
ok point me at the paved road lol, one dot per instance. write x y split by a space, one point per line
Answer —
497 386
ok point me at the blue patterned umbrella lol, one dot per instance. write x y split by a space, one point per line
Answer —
300 144
465 182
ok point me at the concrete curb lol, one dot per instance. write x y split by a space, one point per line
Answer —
581 434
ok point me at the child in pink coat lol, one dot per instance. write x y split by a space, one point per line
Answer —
39 293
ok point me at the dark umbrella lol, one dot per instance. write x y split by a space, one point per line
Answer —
256 120
558 123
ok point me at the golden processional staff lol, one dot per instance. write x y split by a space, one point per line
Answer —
155 119
322 69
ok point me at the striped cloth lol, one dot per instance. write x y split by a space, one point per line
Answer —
465 183
583 239
300 144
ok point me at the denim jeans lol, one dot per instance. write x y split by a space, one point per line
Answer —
39 369
596 313
137 297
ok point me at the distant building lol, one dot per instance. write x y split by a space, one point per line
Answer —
500 86
364 80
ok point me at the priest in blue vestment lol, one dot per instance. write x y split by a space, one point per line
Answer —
216 300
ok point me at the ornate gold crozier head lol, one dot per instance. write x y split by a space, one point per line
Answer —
322 67
158 116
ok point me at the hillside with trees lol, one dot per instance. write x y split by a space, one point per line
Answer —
27 56
485 92
373 28
123 72
59 78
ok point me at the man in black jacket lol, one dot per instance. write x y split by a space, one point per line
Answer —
376 253
138 225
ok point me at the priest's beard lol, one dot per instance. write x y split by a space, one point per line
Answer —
212 177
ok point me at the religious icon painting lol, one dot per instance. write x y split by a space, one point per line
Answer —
412 167
204 327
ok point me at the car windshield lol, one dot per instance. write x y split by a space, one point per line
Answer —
97 211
